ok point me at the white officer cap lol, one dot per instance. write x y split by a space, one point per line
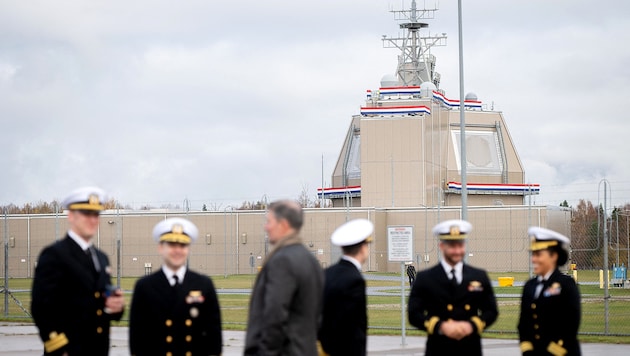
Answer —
177 230
353 232
452 230
85 198
544 238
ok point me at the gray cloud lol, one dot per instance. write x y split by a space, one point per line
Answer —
159 101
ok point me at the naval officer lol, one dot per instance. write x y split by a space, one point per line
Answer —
175 311
452 301
550 305
344 319
72 298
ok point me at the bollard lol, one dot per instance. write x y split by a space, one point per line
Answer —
601 278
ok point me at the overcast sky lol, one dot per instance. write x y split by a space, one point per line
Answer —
219 102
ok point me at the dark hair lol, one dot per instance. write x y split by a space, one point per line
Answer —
290 211
352 249
563 256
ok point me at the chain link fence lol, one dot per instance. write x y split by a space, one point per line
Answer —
233 243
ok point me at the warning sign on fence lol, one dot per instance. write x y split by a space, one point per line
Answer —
400 243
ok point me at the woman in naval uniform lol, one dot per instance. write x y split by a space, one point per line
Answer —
550 305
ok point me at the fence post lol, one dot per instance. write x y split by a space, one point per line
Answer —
6 264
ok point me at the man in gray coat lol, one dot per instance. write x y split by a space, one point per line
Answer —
286 301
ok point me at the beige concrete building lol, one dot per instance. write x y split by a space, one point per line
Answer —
398 166
235 242
406 160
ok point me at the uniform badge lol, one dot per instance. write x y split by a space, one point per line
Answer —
475 286
93 199
194 312
108 269
194 296
554 289
177 229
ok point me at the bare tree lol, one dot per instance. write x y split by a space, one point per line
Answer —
213 206
304 199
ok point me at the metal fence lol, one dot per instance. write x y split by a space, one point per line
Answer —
233 243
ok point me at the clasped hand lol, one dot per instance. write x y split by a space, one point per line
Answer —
115 303
456 329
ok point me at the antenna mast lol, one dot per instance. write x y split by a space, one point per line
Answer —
416 64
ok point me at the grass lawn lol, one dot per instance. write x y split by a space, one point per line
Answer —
384 312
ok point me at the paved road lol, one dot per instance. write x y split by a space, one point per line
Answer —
22 340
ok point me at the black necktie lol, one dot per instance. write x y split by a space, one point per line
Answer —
453 278
90 251
539 288
176 279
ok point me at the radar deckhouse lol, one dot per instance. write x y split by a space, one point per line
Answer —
402 148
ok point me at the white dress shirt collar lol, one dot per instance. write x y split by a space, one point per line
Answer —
545 277
79 240
169 273
353 261
459 267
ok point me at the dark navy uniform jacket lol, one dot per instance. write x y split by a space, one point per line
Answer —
344 318
549 324
434 299
182 320
68 300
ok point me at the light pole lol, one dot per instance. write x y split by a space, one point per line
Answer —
6 264
462 119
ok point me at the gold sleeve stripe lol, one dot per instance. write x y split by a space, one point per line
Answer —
320 350
479 323
556 349
56 342
430 324
527 346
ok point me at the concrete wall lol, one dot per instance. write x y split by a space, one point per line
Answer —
229 240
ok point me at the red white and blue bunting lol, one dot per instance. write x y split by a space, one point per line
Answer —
339 192
475 104
485 188
395 110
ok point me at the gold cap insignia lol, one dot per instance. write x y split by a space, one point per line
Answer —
177 229
455 230
93 199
